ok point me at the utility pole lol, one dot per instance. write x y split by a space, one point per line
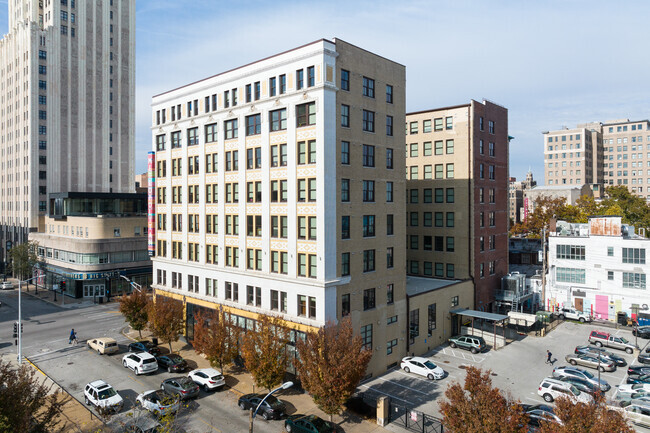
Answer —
544 268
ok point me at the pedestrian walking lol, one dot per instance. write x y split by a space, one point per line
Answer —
549 356
73 336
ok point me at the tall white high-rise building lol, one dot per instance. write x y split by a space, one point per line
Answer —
67 84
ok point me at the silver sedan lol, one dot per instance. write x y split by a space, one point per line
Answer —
591 360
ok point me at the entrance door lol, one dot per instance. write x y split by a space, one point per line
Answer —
579 304
92 290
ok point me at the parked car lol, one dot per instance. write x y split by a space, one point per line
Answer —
103 345
573 314
540 412
140 363
629 389
600 339
308 424
645 378
422 366
469 342
644 356
582 384
605 354
144 346
641 331
140 425
172 363
101 395
208 379
581 374
158 402
183 387
591 360
6 285
639 397
638 369
550 389
637 413
272 408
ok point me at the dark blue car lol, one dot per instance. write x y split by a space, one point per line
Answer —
645 378
144 346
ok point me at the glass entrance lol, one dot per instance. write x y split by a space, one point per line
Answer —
92 290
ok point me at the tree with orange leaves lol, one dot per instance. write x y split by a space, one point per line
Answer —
331 364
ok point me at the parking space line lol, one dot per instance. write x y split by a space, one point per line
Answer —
385 393
408 387
209 425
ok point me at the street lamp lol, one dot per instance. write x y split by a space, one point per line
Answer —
285 385
133 284
20 318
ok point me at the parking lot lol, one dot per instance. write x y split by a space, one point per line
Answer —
517 368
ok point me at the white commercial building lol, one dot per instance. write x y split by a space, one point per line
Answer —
279 188
599 267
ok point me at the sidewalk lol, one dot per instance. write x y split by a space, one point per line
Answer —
241 383
74 414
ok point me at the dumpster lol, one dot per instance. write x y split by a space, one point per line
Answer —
621 318
154 341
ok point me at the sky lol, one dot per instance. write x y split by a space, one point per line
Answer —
551 63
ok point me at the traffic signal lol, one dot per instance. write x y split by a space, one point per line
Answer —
15 327
63 285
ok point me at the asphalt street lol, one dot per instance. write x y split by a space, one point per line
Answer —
45 343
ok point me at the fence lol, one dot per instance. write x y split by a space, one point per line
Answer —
414 420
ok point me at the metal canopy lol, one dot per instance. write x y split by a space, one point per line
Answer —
479 314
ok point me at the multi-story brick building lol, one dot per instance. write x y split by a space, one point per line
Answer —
280 189
67 80
516 197
600 154
457 193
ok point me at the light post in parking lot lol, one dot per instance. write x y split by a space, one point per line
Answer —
285 385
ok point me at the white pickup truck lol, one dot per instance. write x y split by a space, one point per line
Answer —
572 313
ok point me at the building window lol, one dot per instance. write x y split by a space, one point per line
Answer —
449 123
368 260
389 94
278 119
345 190
345 116
569 252
211 133
300 73
345 152
368 226
253 124
431 322
634 255
345 80
490 126
345 227
610 275
414 324
345 264
454 301
306 114
389 126
283 84
368 155
272 86
368 299
389 257
368 190
390 295
389 225
311 76
633 281
366 336
345 305
230 127
368 121
570 275
610 251
389 158
368 87
390 345
389 192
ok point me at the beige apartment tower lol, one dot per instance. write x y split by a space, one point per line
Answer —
457 194
67 87
280 190
615 152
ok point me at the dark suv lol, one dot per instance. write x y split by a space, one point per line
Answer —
468 342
